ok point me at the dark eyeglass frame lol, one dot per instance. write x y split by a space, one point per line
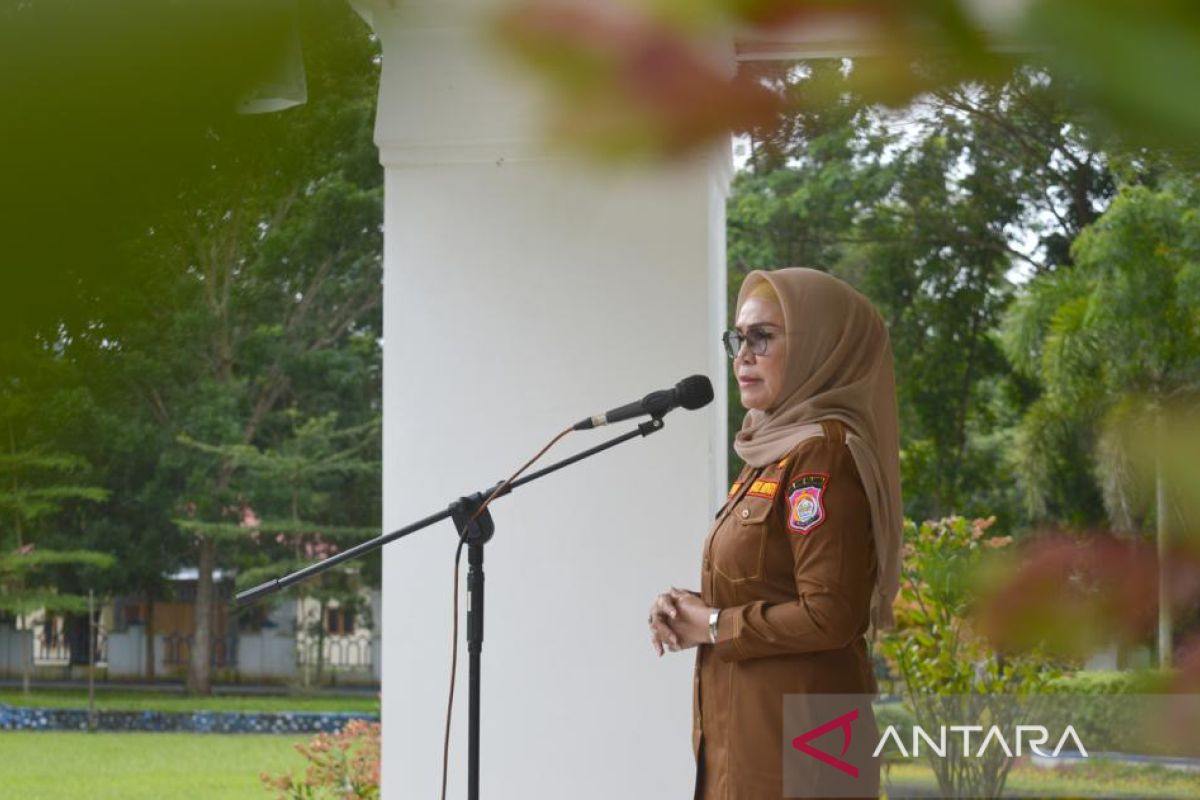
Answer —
758 337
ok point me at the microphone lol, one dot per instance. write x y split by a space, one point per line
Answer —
694 391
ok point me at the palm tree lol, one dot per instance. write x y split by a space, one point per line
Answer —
1114 341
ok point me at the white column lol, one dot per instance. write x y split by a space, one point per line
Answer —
524 291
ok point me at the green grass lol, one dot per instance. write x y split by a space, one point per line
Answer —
1098 778
141 766
116 700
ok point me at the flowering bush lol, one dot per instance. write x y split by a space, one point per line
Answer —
938 649
342 765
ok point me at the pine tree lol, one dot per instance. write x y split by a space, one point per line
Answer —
35 487
284 503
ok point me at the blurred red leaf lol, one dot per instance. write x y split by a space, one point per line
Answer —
1074 593
1187 676
629 82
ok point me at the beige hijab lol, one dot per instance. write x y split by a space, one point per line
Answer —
839 366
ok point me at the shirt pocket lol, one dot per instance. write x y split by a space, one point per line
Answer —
739 547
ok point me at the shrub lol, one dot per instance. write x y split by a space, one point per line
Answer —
1105 682
342 765
936 647
937 650
1111 725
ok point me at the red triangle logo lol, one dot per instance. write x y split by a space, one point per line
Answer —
843 722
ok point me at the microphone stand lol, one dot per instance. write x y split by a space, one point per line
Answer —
477 534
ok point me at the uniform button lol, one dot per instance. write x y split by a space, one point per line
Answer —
745 513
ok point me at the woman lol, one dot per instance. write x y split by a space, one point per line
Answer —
803 558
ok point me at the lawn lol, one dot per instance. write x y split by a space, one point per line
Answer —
131 766
117 700
1097 779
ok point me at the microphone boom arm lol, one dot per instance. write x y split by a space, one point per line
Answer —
274 585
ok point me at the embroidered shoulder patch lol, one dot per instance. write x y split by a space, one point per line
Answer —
806 503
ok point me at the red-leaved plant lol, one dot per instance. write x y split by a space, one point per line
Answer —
342 765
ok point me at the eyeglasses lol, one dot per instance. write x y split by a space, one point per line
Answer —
757 338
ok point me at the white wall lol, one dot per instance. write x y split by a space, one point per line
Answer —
127 653
268 655
16 650
522 293
376 635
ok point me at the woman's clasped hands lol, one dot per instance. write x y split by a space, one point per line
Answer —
679 620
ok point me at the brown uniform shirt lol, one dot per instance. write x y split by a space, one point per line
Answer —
790 561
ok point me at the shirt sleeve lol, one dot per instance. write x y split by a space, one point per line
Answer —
826 518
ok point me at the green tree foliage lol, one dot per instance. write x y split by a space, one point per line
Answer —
1115 343
111 109
247 296
273 299
41 485
34 487
936 213
43 491
1116 335
290 503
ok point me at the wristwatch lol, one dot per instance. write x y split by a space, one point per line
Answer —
712 624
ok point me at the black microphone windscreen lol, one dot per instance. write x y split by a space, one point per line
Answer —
695 391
